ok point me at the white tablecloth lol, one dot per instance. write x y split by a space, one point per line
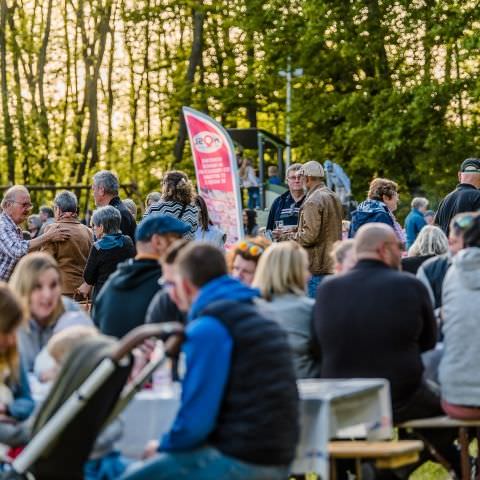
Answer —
328 409
147 417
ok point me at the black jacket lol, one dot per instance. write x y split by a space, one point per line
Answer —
465 198
102 263
412 264
163 309
373 322
435 270
127 224
122 304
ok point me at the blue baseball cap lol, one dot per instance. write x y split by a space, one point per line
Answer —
159 224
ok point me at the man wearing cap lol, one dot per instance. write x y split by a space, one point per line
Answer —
465 197
319 224
123 301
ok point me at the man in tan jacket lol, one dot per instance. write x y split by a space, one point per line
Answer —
72 254
319 224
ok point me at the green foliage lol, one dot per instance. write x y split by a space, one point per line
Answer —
389 87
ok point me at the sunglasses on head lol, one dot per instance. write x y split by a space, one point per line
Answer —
253 249
463 222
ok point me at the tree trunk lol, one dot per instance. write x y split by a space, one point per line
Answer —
93 60
41 62
197 48
20 114
146 68
251 87
7 122
110 97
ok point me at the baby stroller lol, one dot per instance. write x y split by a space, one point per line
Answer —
89 392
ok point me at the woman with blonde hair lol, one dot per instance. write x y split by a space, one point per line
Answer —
37 282
281 276
16 402
177 201
431 241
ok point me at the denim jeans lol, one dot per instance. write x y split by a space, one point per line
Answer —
205 463
313 284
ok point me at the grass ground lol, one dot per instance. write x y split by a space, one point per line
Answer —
428 471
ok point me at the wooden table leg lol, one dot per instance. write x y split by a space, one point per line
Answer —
358 468
477 431
333 469
465 458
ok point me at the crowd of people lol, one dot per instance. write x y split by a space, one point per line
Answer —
311 295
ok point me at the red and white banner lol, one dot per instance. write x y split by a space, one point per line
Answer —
216 171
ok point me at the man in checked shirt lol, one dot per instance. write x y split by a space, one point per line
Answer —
16 206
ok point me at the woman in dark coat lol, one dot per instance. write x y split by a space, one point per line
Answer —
111 248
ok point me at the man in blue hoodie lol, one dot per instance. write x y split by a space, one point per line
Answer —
238 414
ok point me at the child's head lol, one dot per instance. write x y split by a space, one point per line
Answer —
66 340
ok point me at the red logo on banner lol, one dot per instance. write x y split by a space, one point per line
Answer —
207 142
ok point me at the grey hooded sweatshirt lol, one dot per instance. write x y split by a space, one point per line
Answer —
459 370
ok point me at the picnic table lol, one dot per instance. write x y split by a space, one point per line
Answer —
357 408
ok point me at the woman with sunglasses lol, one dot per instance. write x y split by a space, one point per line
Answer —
242 260
458 372
282 277
433 271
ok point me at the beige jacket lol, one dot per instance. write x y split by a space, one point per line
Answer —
71 254
319 226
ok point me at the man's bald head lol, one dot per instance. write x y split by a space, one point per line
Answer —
470 178
377 241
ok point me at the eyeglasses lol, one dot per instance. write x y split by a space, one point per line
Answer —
166 283
463 222
253 249
294 177
23 204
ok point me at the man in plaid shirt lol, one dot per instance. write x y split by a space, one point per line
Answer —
16 206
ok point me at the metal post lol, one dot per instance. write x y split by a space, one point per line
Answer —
281 170
261 168
288 75
287 117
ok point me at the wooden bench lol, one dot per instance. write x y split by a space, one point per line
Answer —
387 454
463 438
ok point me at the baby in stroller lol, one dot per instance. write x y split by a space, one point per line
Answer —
105 463
82 402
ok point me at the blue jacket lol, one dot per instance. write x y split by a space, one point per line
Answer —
369 211
207 348
414 222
